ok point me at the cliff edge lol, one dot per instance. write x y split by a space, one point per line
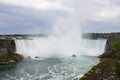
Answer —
7 52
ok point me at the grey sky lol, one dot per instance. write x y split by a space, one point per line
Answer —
40 16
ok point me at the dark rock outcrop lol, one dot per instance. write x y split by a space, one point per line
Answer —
7 52
7 46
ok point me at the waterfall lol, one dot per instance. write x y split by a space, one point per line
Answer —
46 47
93 47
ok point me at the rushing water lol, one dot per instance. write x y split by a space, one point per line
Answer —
54 47
65 68
59 66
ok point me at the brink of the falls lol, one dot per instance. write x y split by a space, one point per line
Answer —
44 47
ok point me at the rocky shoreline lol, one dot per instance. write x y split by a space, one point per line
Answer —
10 58
107 69
109 66
7 52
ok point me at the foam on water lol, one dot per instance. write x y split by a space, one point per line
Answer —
58 64
64 68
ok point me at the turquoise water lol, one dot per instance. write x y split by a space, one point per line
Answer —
64 68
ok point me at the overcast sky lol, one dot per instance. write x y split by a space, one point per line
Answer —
39 16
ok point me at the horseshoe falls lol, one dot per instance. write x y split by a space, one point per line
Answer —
52 60
41 47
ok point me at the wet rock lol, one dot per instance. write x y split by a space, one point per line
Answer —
113 68
98 71
37 57
119 62
112 77
74 55
29 57
12 61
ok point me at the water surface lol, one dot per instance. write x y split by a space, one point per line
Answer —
64 68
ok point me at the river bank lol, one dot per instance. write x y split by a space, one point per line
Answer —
7 52
109 66
107 69
10 58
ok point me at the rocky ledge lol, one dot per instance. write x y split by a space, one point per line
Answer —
7 52
10 58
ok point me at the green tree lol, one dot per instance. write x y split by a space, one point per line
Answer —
117 45
117 70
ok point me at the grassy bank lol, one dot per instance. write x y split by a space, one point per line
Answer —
107 69
109 66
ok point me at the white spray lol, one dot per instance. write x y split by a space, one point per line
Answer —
65 41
